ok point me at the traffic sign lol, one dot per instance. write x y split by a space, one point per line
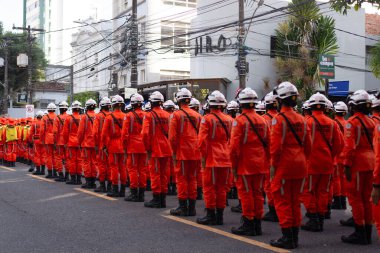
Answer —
327 66
29 111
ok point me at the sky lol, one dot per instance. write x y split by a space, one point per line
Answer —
11 13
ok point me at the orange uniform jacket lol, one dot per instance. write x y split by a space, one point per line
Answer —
269 116
98 126
85 132
155 133
358 152
132 132
70 129
341 123
290 162
322 160
58 128
183 134
34 133
247 150
111 132
47 134
376 142
213 141
376 117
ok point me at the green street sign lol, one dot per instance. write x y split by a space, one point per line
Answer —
327 66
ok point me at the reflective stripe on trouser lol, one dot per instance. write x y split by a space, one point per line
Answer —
268 190
287 201
103 167
38 155
74 162
186 179
376 216
215 182
250 188
137 170
359 195
88 162
317 193
159 174
117 167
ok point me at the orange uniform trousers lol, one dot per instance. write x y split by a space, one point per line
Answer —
199 175
137 170
159 174
359 195
250 189
287 201
38 155
10 151
103 167
116 163
317 193
88 162
59 157
51 156
74 163
187 179
339 181
268 190
215 185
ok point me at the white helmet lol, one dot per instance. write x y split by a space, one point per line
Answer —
318 99
156 97
286 89
270 98
330 105
63 105
136 99
117 99
39 114
216 98
232 105
183 94
147 106
168 104
375 101
194 103
128 107
45 112
247 96
76 105
105 102
51 107
306 105
359 97
90 102
260 107
340 107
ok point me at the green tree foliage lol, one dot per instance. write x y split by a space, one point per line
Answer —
17 44
84 96
343 5
375 60
300 41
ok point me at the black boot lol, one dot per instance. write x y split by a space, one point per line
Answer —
295 231
60 178
348 223
163 200
86 185
67 176
191 211
321 219
181 210
313 224
92 183
287 241
141 197
38 171
31 169
219 216
109 186
73 180
42 169
79 180
174 189
54 173
148 185
368 232
247 228
237 209
155 202
101 187
257 224
271 215
115 191
50 174
358 237
328 213
343 201
122 191
336 204
209 219
132 197
170 191
199 193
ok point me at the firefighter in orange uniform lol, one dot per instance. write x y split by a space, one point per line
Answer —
2 140
327 142
290 149
36 144
10 137
183 135
155 138
47 138
70 140
376 182
104 172
271 106
87 143
359 162
20 146
250 135
113 145
213 140
137 160
375 107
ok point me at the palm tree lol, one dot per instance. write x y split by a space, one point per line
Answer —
375 60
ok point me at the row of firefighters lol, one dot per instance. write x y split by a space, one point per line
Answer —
314 159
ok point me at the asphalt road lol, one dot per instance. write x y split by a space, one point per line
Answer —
42 216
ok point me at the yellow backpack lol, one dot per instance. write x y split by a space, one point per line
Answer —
11 134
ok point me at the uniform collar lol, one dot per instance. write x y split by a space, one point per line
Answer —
316 112
285 108
246 110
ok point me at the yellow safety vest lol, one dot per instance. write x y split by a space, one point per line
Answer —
11 134
1 133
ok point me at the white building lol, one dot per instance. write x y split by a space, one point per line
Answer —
262 76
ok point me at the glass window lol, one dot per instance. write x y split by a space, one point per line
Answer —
175 34
182 3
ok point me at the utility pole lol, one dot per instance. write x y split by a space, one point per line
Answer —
71 84
5 84
241 64
134 46
30 39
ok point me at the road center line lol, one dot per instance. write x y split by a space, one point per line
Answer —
42 178
95 194
226 234
6 168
